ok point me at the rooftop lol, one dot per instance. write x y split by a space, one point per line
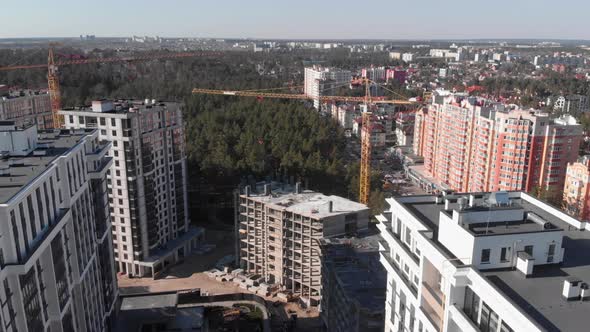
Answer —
120 106
306 202
487 224
355 264
22 170
538 295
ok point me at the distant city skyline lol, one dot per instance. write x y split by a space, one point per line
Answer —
304 19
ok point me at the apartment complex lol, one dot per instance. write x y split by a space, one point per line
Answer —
473 144
576 198
147 181
404 128
279 229
26 108
56 259
353 284
484 262
317 78
572 104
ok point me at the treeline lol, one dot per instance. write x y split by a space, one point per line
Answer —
230 138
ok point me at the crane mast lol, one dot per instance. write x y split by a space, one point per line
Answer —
365 173
54 91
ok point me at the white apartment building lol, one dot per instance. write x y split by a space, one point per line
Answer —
318 78
56 260
147 181
408 57
501 262
572 104
279 229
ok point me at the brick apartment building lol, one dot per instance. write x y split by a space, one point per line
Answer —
472 145
576 199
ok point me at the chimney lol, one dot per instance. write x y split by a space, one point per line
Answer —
247 191
298 188
447 204
471 200
267 189
330 206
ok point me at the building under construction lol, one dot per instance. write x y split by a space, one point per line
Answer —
280 227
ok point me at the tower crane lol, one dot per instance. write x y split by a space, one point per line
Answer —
365 167
53 65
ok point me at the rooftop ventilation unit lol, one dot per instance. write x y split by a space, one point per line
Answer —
571 288
499 198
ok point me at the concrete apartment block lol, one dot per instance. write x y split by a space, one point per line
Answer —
56 258
147 182
279 230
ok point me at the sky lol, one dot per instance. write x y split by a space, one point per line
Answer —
299 19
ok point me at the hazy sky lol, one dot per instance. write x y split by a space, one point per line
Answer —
343 19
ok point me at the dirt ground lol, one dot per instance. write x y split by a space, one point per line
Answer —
190 274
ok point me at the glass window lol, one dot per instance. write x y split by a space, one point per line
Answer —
485 318
504 254
485 256
528 250
494 321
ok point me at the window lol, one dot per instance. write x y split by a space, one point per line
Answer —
102 122
504 254
471 306
485 256
528 250
81 119
113 122
32 216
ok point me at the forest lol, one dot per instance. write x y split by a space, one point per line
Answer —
229 140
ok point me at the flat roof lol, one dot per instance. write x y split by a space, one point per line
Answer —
307 202
149 301
360 275
31 166
539 295
429 213
121 106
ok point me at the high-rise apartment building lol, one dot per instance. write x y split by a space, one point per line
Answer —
502 262
56 260
279 229
576 191
473 144
318 78
147 181
26 108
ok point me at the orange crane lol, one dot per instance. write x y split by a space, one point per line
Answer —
365 169
53 73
